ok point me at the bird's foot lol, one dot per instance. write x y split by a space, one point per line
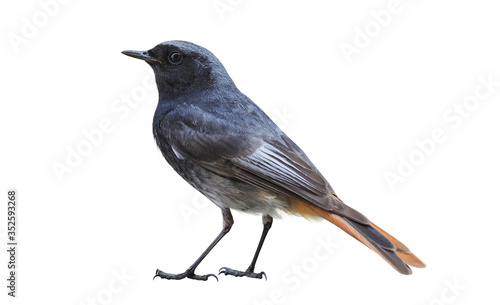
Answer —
187 274
248 273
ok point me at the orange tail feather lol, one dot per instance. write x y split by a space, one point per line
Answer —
398 256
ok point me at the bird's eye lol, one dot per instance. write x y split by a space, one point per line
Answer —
175 58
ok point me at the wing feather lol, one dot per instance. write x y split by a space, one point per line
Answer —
264 157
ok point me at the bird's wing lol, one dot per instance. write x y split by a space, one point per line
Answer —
283 167
256 156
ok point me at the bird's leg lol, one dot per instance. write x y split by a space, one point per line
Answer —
267 221
227 223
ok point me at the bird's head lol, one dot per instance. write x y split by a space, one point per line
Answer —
183 67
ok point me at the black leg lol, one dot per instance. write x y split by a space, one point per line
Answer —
227 223
267 221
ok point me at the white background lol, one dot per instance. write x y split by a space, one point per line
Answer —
122 209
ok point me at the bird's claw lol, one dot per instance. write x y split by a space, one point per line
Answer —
187 274
237 273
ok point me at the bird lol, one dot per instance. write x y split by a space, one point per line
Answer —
225 146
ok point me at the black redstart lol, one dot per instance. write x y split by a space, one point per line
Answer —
226 147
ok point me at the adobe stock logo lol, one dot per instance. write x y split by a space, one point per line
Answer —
450 293
222 7
294 277
92 138
30 27
453 117
116 285
363 35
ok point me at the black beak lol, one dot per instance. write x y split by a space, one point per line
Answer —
144 55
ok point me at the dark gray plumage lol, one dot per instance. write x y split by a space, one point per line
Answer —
225 146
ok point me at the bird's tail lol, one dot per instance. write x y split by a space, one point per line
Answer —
388 247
